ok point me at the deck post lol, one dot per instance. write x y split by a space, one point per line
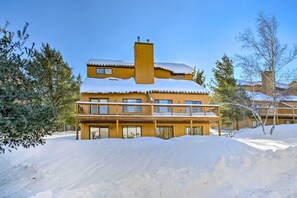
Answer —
117 109
204 109
117 127
219 127
152 109
155 126
293 115
191 125
76 128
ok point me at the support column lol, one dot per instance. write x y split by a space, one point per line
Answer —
293 115
219 127
191 126
76 128
155 124
117 128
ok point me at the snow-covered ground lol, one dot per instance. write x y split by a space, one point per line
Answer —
248 165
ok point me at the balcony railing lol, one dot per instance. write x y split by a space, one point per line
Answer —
280 111
98 109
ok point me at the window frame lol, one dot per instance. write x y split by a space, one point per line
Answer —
99 127
98 107
104 71
194 109
131 126
193 130
160 134
158 109
136 109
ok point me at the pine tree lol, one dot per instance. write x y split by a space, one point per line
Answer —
60 87
24 118
199 77
226 90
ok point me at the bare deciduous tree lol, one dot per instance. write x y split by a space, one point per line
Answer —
266 54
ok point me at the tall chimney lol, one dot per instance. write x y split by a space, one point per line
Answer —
144 62
267 82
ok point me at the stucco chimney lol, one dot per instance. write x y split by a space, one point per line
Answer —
144 62
267 82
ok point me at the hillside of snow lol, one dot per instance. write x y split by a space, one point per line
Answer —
248 165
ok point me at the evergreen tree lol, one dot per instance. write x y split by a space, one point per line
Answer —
60 87
199 77
226 90
24 118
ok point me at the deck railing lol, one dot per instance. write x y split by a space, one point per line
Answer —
284 111
147 109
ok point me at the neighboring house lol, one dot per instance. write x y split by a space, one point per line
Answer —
261 92
145 98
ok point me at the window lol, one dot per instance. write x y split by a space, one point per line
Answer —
99 109
99 132
255 123
164 132
163 109
194 109
131 131
94 108
176 75
103 71
289 122
196 130
132 109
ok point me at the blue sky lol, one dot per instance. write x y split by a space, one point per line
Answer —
193 32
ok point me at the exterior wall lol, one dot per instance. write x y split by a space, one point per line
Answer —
117 72
256 88
161 73
180 98
128 72
176 98
146 129
144 63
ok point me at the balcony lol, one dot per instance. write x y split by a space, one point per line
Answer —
280 111
142 112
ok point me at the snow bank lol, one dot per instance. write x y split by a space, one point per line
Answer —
284 136
188 166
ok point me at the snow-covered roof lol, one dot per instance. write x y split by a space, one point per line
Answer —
116 85
247 83
250 83
106 62
174 67
292 98
258 96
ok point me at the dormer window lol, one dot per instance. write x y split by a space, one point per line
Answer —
176 75
103 71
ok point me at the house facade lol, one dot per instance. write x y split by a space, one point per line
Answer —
261 94
142 98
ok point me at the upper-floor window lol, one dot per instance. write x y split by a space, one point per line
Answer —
131 109
99 109
194 109
103 71
176 75
163 109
